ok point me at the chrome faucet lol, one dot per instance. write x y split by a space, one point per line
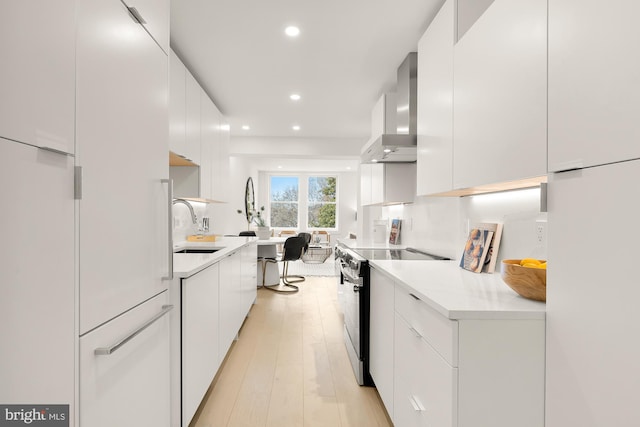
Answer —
193 214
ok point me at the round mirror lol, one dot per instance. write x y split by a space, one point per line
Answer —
249 200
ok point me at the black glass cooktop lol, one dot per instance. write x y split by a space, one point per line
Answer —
397 254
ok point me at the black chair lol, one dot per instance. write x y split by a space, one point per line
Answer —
293 249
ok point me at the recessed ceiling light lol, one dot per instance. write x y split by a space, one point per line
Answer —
245 127
279 167
374 160
225 126
295 127
292 31
348 168
294 97
387 150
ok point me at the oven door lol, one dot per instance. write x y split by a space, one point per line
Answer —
352 328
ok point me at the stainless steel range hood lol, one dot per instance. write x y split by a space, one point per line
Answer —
399 147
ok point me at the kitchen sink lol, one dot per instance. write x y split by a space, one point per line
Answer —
196 251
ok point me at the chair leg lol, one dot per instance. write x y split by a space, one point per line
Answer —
286 278
286 284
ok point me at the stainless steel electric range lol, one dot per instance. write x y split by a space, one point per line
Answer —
353 296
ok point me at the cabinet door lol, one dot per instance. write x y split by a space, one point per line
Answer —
122 136
177 97
155 14
500 102
130 386
221 168
209 131
37 278
200 329
425 392
592 301
593 83
381 338
365 184
192 118
435 104
37 77
249 273
230 302
377 183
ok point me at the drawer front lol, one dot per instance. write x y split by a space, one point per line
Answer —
425 389
440 332
130 386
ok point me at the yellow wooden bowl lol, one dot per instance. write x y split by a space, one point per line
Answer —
528 282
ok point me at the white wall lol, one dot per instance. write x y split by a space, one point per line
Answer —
440 224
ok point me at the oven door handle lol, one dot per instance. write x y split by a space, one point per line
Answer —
353 280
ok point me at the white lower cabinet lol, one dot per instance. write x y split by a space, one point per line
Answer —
425 384
129 386
473 370
381 337
200 330
230 302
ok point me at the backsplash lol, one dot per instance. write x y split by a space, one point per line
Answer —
440 224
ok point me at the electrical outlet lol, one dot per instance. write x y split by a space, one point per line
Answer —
541 232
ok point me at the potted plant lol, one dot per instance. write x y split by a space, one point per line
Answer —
255 216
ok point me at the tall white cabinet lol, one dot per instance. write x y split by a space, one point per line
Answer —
37 77
124 242
592 374
593 83
37 277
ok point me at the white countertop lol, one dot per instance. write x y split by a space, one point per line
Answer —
185 265
461 294
368 244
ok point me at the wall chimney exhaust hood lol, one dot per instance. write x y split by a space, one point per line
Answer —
399 147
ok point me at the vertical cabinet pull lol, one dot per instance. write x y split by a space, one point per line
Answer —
169 183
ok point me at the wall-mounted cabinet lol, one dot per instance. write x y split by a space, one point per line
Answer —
435 104
383 115
387 183
155 19
199 139
37 105
500 102
593 83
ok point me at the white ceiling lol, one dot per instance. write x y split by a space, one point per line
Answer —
345 57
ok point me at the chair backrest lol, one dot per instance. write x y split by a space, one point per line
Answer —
247 233
293 248
307 240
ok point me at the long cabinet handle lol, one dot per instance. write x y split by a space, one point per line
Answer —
417 406
105 351
136 15
169 183
415 332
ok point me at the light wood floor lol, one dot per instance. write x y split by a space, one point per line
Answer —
290 368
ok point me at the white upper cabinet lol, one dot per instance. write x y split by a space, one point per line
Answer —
154 16
209 138
37 77
435 104
593 83
387 183
177 99
383 115
192 118
500 102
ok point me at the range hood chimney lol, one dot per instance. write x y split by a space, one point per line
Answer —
399 147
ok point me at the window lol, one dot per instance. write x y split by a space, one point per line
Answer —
303 202
321 207
284 201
